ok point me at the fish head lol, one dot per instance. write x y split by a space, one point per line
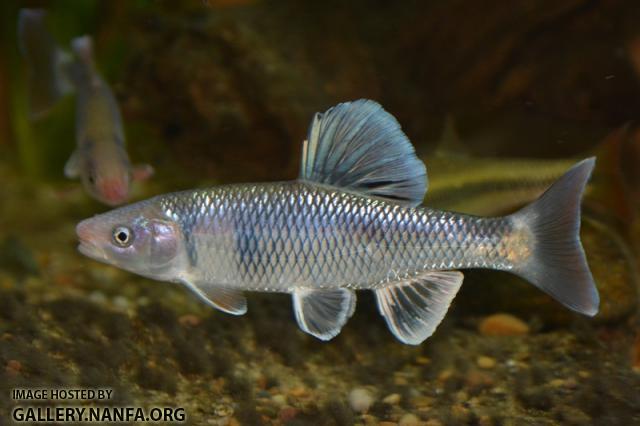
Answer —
108 180
137 238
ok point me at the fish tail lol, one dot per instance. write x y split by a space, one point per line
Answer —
48 78
84 68
557 263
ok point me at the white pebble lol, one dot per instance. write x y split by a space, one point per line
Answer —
360 400
392 399
121 303
280 400
98 297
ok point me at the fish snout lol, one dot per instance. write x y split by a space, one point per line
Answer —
89 238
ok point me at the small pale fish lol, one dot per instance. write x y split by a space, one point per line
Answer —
46 62
351 221
100 159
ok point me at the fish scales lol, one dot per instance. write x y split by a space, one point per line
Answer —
268 237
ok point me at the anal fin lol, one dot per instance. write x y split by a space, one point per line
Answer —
224 299
323 312
141 172
413 308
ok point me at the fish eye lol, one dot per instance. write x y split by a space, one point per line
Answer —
122 236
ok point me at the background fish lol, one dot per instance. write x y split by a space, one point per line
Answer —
349 222
100 159
46 62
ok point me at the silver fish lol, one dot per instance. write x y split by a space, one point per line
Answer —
100 159
351 221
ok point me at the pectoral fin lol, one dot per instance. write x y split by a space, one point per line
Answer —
414 308
142 172
225 299
322 313
72 168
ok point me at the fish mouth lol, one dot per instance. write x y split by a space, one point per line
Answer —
86 246
91 251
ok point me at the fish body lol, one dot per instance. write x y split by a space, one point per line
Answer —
100 159
352 221
261 237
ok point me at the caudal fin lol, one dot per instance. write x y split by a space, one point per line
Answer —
557 264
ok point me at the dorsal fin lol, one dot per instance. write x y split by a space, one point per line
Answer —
359 146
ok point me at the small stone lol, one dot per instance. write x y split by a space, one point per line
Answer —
503 325
279 399
409 420
392 399
445 375
298 392
462 396
121 303
486 362
422 401
422 360
287 414
223 410
360 400
189 320
584 374
13 367
557 383
98 297
400 381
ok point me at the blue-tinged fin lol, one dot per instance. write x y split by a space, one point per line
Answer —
323 312
225 299
359 146
47 63
413 308
557 264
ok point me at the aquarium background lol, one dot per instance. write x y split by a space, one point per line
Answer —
219 91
